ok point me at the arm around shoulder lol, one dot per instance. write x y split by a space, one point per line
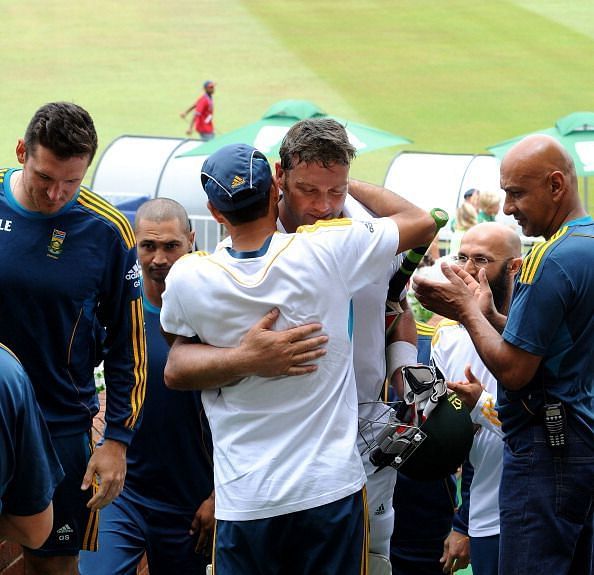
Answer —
416 226
381 201
262 351
192 365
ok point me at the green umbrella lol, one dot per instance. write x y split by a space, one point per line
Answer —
267 133
575 133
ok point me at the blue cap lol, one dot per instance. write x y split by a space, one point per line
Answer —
235 177
207 83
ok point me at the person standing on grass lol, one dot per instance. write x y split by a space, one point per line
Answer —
203 112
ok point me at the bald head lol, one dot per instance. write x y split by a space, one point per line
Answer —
539 154
162 210
540 184
501 239
163 235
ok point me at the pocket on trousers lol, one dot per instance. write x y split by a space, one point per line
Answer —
520 446
574 479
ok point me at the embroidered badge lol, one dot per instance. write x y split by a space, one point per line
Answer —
237 181
54 249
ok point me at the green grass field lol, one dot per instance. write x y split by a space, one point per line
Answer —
453 76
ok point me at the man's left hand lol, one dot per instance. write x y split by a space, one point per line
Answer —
468 391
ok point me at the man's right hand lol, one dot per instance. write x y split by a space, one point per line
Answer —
456 552
287 352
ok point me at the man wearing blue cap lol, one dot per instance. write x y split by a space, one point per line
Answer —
203 111
313 179
288 475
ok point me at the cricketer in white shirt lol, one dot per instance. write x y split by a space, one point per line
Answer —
289 443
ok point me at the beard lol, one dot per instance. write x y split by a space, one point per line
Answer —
500 287
158 274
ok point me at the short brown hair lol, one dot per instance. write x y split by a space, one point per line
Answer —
64 128
316 140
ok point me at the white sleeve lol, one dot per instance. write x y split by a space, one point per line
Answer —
368 252
173 319
357 211
485 414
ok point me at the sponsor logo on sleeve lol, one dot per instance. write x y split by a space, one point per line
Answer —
134 274
369 226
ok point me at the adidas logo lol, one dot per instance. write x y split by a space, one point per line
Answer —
237 181
380 510
133 272
65 529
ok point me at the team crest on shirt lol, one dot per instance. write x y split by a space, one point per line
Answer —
55 246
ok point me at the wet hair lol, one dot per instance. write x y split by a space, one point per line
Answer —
64 128
163 210
316 140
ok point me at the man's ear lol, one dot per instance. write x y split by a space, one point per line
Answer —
191 239
274 194
215 213
514 266
279 173
557 185
21 151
